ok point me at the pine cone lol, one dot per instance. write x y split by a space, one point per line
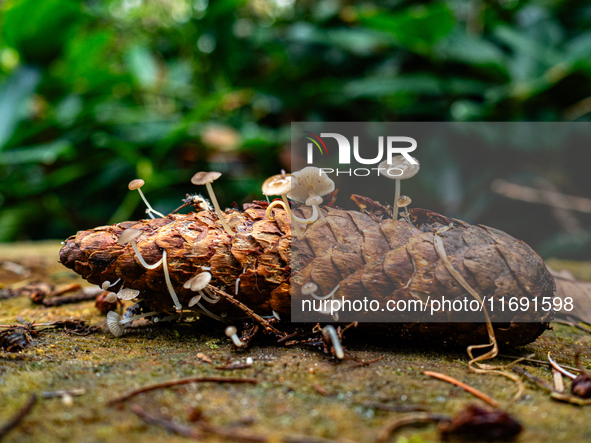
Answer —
356 250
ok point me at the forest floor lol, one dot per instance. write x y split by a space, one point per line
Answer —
302 395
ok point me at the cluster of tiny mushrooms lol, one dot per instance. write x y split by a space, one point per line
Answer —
306 186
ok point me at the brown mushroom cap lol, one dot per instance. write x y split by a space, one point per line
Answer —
308 182
202 178
404 201
277 185
199 282
399 163
135 184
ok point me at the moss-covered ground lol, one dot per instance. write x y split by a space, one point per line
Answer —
301 391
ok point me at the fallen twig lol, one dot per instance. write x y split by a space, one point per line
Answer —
570 399
18 417
475 392
75 298
540 382
230 433
539 362
182 381
175 428
408 419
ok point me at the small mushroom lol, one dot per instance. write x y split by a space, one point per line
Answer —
279 184
232 332
399 169
207 178
112 297
137 185
197 284
308 186
116 324
129 236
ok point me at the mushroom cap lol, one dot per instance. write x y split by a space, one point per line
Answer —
399 169
199 282
111 297
202 178
404 201
309 182
135 184
231 330
128 235
128 294
114 325
309 288
105 284
277 185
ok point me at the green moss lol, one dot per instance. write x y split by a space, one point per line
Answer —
285 402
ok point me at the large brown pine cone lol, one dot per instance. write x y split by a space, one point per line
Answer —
356 250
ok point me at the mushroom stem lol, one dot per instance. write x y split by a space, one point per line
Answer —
209 313
312 219
218 210
175 299
286 206
560 368
136 317
141 259
150 209
330 333
396 197
232 332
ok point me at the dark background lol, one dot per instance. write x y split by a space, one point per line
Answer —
96 93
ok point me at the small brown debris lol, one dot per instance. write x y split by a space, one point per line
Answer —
36 291
476 423
15 338
204 358
411 418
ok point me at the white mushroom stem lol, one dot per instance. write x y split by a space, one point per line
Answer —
330 333
396 197
232 332
136 317
208 313
312 219
194 301
141 259
560 368
218 210
175 299
237 286
213 299
150 209
330 294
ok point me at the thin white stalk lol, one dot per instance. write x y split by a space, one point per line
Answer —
329 332
213 300
148 205
135 317
175 299
141 259
208 313
218 210
396 197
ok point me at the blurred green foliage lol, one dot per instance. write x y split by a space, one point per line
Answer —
95 93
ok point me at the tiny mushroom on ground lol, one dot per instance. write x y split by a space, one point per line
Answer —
136 185
399 169
232 332
116 324
207 178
